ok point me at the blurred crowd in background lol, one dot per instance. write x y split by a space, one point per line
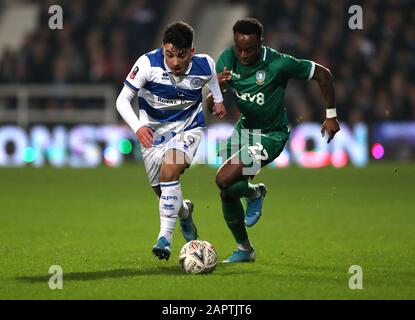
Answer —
373 68
99 42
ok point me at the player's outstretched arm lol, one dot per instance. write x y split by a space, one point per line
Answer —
214 101
217 109
209 102
222 78
143 133
325 80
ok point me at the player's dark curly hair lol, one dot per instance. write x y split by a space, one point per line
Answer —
179 34
249 26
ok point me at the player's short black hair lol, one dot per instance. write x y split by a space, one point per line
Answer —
179 34
249 26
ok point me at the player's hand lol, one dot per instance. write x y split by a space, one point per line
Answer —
145 136
332 126
224 76
219 110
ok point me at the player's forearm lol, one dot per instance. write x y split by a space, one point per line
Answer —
123 105
209 101
325 80
215 96
215 89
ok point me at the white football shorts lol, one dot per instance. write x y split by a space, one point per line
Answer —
185 141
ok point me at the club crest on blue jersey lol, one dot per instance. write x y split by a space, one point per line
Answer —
196 83
260 77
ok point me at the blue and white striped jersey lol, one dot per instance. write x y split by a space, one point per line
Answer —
170 104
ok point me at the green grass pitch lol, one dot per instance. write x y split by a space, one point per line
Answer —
100 224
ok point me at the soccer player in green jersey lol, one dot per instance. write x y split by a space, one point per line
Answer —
257 76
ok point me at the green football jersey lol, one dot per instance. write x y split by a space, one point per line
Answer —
259 89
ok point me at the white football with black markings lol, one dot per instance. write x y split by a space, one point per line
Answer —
198 256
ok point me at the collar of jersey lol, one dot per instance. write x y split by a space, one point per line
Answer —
261 56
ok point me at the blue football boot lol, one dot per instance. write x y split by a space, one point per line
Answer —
241 256
162 249
187 226
254 207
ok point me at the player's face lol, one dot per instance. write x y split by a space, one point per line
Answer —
177 59
247 47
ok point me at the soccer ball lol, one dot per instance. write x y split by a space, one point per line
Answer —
198 256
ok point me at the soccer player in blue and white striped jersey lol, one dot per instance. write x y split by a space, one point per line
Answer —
169 82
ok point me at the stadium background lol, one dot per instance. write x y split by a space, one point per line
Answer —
57 109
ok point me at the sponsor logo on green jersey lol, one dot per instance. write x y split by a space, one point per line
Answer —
236 75
258 98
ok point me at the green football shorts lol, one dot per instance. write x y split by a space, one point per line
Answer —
253 147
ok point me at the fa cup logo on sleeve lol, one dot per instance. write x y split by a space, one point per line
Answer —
134 73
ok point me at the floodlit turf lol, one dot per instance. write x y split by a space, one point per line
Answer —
100 224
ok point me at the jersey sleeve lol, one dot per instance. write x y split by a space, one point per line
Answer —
213 83
138 75
297 68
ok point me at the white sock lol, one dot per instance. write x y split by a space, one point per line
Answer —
184 211
170 203
256 194
245 246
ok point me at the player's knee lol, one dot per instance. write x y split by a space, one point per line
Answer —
220 182
168 176
169 173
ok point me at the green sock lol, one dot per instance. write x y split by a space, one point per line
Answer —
233 213
242 188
